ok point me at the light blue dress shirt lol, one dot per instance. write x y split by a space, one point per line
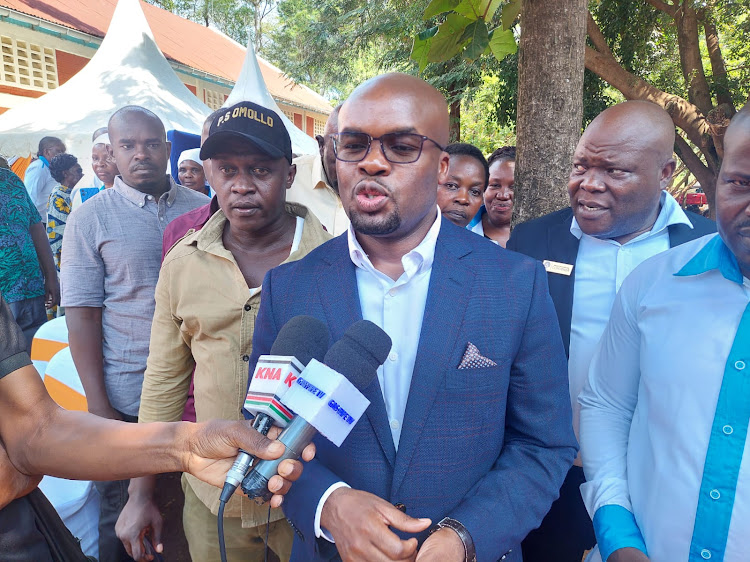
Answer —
601 267
397 307
665 411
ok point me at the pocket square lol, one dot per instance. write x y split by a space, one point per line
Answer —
473 359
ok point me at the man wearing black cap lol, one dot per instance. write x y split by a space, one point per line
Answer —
207 299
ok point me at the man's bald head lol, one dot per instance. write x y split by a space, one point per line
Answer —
133 112
639 122
621 165
403 91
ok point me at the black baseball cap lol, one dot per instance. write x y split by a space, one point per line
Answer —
249 121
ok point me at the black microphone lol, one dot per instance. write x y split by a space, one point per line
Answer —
327 398
301 339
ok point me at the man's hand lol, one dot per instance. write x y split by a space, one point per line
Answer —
213 446
51 291
359 524
627 555
13 484
442 545
140 517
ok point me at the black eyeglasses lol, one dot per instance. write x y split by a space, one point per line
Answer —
398 148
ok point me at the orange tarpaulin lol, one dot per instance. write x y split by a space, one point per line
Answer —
19 166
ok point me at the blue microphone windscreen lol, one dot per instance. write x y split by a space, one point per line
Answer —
359 353
303 337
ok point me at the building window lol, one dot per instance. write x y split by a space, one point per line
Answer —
319 127
27 66
289 114
214 99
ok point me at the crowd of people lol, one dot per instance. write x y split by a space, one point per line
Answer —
572 389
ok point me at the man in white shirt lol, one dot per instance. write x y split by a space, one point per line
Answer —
468 428
316 185
665 410
619 216
39 182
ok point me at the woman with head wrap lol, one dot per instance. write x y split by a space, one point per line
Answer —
104 167
190 171
66 171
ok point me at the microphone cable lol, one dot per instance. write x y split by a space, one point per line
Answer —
222 544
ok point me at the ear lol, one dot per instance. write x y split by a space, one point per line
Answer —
667 171
291 175
321 143
443 164
169 149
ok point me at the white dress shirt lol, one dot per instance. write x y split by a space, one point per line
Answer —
601 267
39 183
665 411
397 307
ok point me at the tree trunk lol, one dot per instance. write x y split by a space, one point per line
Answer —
690 57
455 120
550 103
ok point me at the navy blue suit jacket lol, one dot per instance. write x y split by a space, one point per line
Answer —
549 238
490 446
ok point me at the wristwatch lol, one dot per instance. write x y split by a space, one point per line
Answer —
470 553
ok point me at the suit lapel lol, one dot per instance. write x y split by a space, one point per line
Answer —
679 234
337 286
562 247
443 316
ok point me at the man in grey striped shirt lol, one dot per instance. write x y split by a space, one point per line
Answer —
110 265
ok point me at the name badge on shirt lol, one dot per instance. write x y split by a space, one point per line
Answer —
557 267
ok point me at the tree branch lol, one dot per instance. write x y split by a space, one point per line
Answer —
684 114
596 36
664 7
718 68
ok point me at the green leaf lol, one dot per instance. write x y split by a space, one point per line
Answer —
437 7
472 9
478 38
447 43
502 43
510 13
421 47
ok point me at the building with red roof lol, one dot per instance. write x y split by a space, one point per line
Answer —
45 42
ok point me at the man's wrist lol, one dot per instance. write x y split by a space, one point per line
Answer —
470 554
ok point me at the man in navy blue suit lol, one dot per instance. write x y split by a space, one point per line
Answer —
619 216
468 435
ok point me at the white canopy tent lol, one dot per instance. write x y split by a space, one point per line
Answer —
250 86
127 69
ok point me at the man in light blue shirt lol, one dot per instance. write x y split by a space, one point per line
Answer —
665 410
619 216
39 182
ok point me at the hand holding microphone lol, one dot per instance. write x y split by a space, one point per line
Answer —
327 398
299 341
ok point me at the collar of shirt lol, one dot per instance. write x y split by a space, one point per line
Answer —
138 197
209 238
670 213
419 259
44 161
477 220
714 255
318 171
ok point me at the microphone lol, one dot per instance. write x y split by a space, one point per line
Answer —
327 399
300 340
